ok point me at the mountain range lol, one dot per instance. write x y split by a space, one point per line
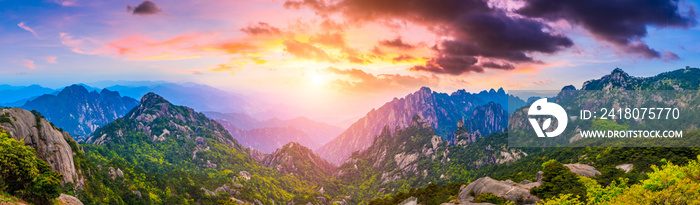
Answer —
80 112
427 148
440 110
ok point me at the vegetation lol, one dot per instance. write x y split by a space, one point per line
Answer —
558 180
25 176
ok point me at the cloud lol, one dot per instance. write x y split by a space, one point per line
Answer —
468 29
335 40
306 51
28 63
359 81
669 56
403 58
504 66
145 8
397 43
261 28
66 2
453 65
622 23
27 28
51 59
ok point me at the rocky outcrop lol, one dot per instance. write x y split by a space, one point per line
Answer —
51 145
244 175
298 160
626 167
439 110
583 169
410 201
507 189
69 200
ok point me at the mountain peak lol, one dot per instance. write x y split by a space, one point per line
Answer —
425 90
150 99
74 89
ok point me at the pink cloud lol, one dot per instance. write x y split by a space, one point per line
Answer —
27 28
28 63
51 59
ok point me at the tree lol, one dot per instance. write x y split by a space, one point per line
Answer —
559 180
23 175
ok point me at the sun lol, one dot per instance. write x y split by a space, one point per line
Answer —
318 79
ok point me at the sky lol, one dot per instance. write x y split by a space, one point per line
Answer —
335 60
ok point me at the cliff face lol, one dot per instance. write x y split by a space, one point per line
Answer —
51 145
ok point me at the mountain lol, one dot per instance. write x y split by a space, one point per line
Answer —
17 95
80 112
318 132
440 110
170 154
197 96
415 157
268 139
293 158
51 144
672 80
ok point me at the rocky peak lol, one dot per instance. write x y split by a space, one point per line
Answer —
293 158
616 79
152 99
73 90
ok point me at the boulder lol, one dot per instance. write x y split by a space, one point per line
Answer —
583 169
245 175
410 201
207 192
69 200
507 189
626 167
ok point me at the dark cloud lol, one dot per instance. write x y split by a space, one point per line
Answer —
453 65
261 28
307 51
403 58
620 22
504 66
397 43
474 30
145 8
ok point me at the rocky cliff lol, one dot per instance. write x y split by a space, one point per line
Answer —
439 110
51 145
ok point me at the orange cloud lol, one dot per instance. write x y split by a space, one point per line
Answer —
359 81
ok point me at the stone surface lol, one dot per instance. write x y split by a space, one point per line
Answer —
245 175
507 189
410 201
583 169
69 200
626 167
